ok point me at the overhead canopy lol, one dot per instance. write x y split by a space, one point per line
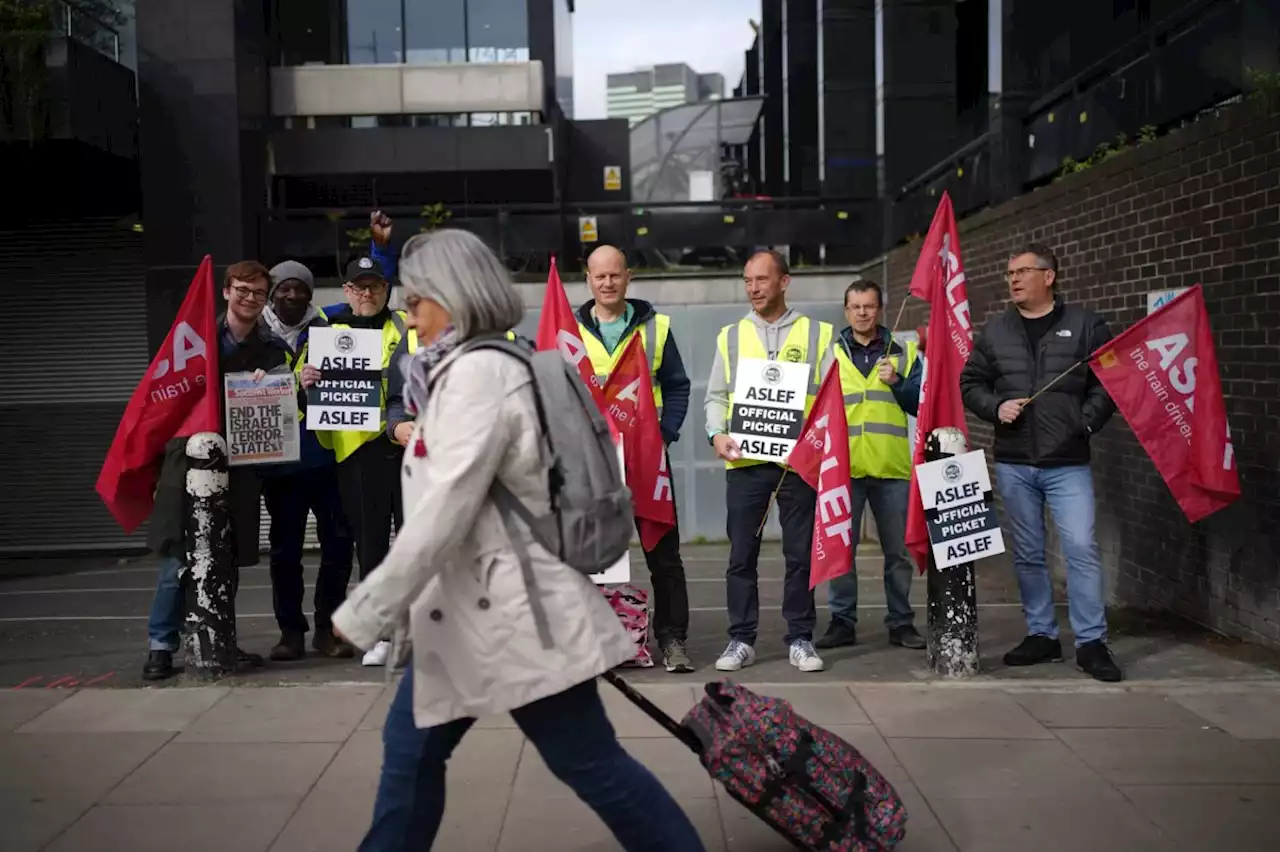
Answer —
670 144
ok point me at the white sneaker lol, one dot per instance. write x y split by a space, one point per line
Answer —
377 655
736 656
804 657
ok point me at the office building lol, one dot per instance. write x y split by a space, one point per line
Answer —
636 95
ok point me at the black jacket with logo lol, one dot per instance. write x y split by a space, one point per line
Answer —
1054 430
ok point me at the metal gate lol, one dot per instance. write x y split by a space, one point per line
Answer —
72 349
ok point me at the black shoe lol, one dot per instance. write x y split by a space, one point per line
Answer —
1094 659
328 645
1033 650
246 660
838 635
292 646
159 666
906 636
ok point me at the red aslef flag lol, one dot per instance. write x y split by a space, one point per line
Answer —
558 329
821 458
629 395
179 396
939 280
1162 373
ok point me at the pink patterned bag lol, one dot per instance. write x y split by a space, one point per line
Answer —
632 607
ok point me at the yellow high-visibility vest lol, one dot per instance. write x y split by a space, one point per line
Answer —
805 343
657 327
878 445
394 337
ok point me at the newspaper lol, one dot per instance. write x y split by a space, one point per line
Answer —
262 418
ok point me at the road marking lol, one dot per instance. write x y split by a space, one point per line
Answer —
248 615
99 679
64 682
29 681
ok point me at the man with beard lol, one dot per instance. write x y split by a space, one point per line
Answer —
368 461
293 490
245 344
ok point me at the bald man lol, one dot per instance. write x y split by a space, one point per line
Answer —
607 324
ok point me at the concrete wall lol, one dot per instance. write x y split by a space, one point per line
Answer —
1199 205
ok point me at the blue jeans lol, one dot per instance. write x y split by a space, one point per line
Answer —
164 624
888 499
1024 490
576 741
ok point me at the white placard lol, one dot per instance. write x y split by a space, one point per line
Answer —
954 481
956 494
349 394
620 571
768 407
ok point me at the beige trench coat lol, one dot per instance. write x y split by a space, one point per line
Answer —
452 568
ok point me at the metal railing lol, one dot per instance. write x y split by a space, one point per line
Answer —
88 29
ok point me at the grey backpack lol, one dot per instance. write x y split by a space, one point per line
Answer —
591 521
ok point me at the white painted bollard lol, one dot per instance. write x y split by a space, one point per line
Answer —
209 587
953 594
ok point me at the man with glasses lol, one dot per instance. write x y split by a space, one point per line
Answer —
1042 451
245 344
368 461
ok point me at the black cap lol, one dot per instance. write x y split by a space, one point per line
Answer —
365 267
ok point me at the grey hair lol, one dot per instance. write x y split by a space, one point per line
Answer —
455 269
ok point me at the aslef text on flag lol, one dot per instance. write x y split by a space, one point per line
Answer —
1162 373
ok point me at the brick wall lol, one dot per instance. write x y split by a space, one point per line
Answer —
1199 205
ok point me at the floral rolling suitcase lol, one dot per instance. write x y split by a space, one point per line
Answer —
631 605
809 785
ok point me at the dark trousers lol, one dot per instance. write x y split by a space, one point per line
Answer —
747 491
369 482
577 743
670 592
289 500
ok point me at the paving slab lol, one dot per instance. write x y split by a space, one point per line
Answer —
118 710
1246 717
64 763
205 773
1054 824
821 703
1119 709
284 715
242 826
1162 756
19 706
1004 769
28 821
1235 818
915 711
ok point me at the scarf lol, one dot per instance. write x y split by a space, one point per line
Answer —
289 333
419 365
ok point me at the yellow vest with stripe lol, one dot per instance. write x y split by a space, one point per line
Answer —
806 341
657 327
878 445
394 337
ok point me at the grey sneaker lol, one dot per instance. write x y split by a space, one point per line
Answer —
737 655
675 657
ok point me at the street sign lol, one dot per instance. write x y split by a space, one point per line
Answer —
588 230
612 178
956 493
1157 299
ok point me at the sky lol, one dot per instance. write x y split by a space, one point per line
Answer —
622 35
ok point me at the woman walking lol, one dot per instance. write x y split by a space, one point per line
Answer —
454 575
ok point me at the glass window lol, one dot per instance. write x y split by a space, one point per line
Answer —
497 31
374 34
435 31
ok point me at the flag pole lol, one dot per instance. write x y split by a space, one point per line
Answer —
769 505
1056 379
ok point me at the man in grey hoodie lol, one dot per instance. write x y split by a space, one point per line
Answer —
770 331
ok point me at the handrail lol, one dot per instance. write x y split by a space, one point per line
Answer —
944 164
1107 63
727 205
70 10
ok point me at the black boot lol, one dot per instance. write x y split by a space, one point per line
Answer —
292 646
906 636
1094 659
159 666
245 660
838 635
1033 650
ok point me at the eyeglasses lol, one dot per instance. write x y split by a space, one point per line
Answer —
249 294
1022 271
367 287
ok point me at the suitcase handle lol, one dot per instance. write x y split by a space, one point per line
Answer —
655 713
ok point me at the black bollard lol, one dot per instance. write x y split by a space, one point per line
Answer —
209 578
953 593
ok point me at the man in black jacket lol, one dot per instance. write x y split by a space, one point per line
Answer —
1042 451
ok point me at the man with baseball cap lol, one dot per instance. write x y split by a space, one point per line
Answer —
368 461
309 485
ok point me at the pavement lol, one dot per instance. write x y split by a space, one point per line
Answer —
1184 755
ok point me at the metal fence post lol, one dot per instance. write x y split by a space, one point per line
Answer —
953 595
209 581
